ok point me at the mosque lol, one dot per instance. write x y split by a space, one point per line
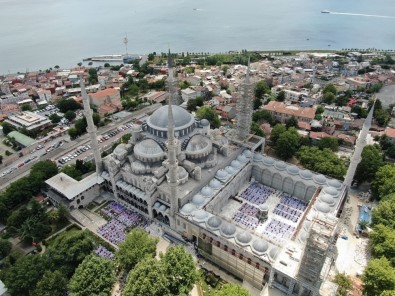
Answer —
265 221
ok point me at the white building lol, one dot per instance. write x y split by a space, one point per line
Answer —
28 120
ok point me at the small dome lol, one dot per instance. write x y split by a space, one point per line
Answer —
327 199
187 209
247 153
264 207
162 208
258 157
268 161
215 184
157 205
306 174
148 149
228 230
293 169
198 200
206 191
236 164
230 170
322 207
199 144
222 174
280 165
335 183
204 122
214 222
243 238
273 253
331 190
242 158
319 179
259 246
200 216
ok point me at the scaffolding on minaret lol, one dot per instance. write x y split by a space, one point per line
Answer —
172 142
244 107
91 128
361 142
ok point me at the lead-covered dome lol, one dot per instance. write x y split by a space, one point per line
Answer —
327 199
258 157
184 122
335 183
331 190
268 161
222 175
198 200
259 246
322 207
200 216
319 179
306 174
228 230
187 209
243 238
236 164
198 146
207 191
215 184
293 169
214 222
148 150
280 165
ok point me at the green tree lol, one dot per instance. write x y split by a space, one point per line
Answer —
328 142
281 96
328 98
55 118
329 88
23 276
262 116
209 114
287 144
7 128
384 181
46 168
261 88
71 170
180 270
137 245
94 276
378 277
257 103
70 115
92 76
147 278
277 130
256 129
382 240
371 161
231 290
291 122
384 213
319 110
382 117
388 293
5 247
53 283
125 138
344 282
65 105
322 161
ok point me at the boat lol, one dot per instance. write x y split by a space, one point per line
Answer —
325 11
107 58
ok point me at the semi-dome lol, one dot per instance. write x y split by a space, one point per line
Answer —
214 222
204 122
206 191
236 164
198 200
200 216
181 117
242 158
120 151
259 246
280 165
258 157
322 207
199 145
327 199
148 149
331 190
182 175
228 230
293 169
319 179
230 170
334 183
268 161
215 184
187 209
243 238
306 174
222 174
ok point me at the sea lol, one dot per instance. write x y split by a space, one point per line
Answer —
39 34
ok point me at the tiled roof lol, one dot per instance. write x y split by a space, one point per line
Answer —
290 110
104 93
390 132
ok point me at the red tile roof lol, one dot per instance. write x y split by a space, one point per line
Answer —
290 110
390 132
108 92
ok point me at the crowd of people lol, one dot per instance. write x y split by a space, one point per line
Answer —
278 230
257 193
104 253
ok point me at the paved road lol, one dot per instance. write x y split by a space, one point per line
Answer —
71 146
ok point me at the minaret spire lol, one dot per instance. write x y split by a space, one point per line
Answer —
244 107
361 142
91 128
172 143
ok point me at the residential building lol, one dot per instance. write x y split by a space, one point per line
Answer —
283 112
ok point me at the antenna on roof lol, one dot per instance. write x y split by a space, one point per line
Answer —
125 41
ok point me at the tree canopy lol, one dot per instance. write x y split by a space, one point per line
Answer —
287 144
378 277
262 116
329 142
70 115
384 213
372 160
291 122
281 96
232 290
209 114
53 283
322 161
384 181
94 276
344 282
5 247
277 130
382 240
261 88
65 105
180 270
137 246
329 88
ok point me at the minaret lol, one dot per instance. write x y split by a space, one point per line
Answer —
361 142
172 142
244 107
91 128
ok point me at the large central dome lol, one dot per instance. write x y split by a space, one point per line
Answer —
184 122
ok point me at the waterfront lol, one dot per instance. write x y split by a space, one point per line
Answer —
44 33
